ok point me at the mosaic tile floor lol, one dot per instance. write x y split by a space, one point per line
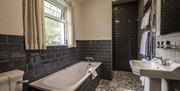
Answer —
122 81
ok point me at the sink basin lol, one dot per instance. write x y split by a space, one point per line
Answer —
154 70
155 74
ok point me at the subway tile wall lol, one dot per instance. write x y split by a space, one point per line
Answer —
101 50
125 35
36 64
170 12
173 54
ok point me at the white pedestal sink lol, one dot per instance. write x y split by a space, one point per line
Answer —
155 74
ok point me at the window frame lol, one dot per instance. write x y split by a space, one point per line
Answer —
46 15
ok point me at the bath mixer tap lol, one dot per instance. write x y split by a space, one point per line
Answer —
89 59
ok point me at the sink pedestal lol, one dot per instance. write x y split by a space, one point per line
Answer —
164 85
153 84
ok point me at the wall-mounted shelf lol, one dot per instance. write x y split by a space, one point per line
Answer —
174 47
167 45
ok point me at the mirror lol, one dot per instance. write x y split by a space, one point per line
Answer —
170 16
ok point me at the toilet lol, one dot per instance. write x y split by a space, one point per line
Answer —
11 80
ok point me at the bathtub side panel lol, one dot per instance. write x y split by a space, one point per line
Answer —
89 84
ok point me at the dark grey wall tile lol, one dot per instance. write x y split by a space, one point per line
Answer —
36 64
3 38
4 55
125 35
170 12
101 50
14 39
18 54
9 47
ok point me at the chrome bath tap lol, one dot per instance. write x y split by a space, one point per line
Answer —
89 60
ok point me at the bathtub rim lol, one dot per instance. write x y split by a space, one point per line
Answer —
38 84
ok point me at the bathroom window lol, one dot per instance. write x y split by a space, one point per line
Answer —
55 23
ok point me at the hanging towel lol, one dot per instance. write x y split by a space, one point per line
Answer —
93 73
144 43
145 20
152 44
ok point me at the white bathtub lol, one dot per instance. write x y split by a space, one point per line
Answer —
68 79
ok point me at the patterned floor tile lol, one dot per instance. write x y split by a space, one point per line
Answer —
122 81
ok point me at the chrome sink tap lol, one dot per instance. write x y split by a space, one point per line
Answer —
164 62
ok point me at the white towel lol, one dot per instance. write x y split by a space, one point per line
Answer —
144 44
93 73
145 20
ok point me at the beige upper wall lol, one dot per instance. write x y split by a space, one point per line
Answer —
93 19
11 21
96 20
158 17
11 17
78 19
